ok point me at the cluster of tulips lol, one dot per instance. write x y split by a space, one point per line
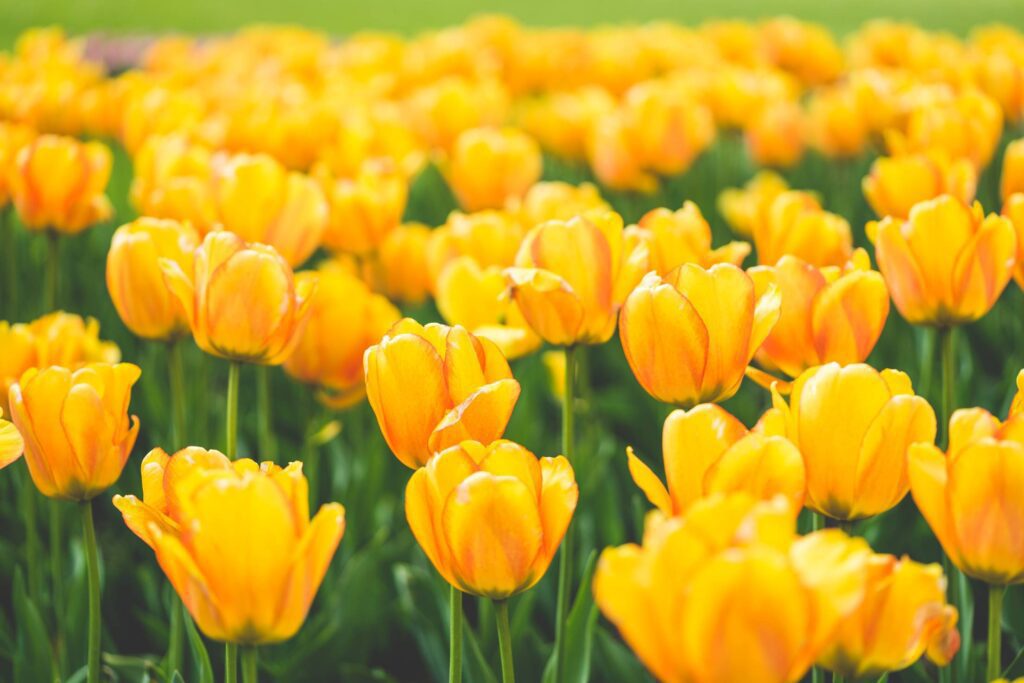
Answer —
281 220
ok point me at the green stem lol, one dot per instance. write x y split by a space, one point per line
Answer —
52 271
231 411
565 553
56 572
9 247
176 636
947 351
177 377
92 561
846 526
838 678
995 635
948 379
455 626
250 664
230 663
817 524
32 554
508 674
266 434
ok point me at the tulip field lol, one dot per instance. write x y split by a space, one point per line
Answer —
661 350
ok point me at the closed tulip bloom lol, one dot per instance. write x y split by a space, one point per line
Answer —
235 540
708 451
1012 179
853 426
896 184
1013 209
491 518
404 274
903 616
777 136
58 184
970 494
838 125
743 207
689 337
241 300
172 180
795 224
439 112
76 427
683 236
557 201
363 209
490 166
434 386
489 238
614 157
135 282
966 125
666 126
947 263
827 314
572 276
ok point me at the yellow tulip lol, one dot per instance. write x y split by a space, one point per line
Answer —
1012 179
134 280
76 427
903 616
666 126
1013 209
838 125
404 273
364 209
490 238
491 518
777 135
241 300
969 495
561 120
807 50
896 184
490 166
708 451
442 110
58 183
572 276
827 314
558 201
11 443
947 263
683 236
853 426
689 337
235 540
614 158
434 386
13 137
966 125
795 224
743 208
172 180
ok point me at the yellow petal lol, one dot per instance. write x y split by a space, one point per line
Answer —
648 482
763 466
482 417
929 483
692 441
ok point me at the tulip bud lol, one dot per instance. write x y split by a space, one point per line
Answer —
683 236
490 238
490 166
442 110
896 184
795 224
744 207
364 209
777 135
404 274
171 180
838 126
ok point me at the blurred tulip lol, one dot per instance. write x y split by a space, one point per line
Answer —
665 126
777 136
172 180
947 263
683 236
364 209
795 224
491 518
1012 179
13 137
614 159
76 427
744 207
681 344
235 540
1013 209
434 386
966 125
558 201
58 183
11 443
241 300
826 315
571 277
838 126
896 184
135 283
442 110
490 238
853 426
404 274
490 166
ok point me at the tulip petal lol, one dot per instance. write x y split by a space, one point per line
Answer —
763 466
905 278
140 517
558 497
984 267
848 317
550 306
927 469
648 482
482 417
11 443
692 441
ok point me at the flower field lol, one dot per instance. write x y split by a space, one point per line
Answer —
649 351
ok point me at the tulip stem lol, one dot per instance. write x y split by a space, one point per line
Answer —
92 561
177 378
175 638
455 626
817 524
995 639
231 412
56 573
508 674
52 271
250 664
565 554
230 663
948 379
268 447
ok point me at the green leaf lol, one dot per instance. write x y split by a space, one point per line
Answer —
34 659
176 677
198 649
965 663
1016 667
1013 610
579 631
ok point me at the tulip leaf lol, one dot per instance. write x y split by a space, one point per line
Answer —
966 659
199 654
1016 667
1013 610
34 658
579 631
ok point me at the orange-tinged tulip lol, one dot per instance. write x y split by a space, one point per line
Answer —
404 274
572 276
364 209
777 136
896 184
614 158
11 443
708 451
688 337
683 236
58 183
558 201
838 125
903 616
970 495
947 263
235 539
241 300
827 314
490 238
967 125
1012 179
442 110
796 224
490 166
171 180
665 126
1013 209
13 137
345 319
76 427
491 518
743 207
434 386
853 426
135 283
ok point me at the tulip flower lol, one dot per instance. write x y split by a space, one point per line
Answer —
1013 209
558 201
11 443
896 184
489 238
490 518
677 237
777 135
490 166
434 386
572 276
665 126
795 224
363 209
76 427
1012 179
242 553
853 426
903 616
439 112
838 125
680 344
827 314
345 319
241 300
135 283
404 272
965 125
744 207
613 157
947 263
708 451
172 180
